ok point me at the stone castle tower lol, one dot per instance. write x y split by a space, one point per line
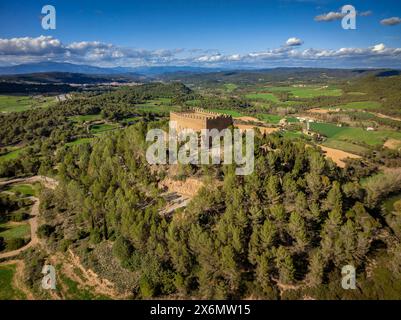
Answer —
198 119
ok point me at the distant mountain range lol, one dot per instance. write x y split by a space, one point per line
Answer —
87 69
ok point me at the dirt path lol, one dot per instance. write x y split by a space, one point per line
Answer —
33 221
381 115
46 181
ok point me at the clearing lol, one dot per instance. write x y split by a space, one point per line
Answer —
23 103
338 155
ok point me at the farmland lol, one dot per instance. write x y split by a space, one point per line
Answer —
308 91
361 105
23 103
263 96
354 135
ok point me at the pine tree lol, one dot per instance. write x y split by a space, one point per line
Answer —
297 230
285 265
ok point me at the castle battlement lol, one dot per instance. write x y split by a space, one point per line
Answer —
198 118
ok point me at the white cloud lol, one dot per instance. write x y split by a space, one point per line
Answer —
31 46
293 42
331 16
43 48
365 13
391 21
379 47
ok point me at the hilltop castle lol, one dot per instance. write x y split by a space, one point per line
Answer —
198 119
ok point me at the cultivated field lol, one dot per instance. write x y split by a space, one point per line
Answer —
23 103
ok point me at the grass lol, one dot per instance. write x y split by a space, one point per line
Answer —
14 154
24 189
7 290
86 117
389 203
263 96
232 113
309 91
75 292
12 231
345 146
292 119
292 134
150 107
354 135
23 103
355 93
194 102
270 118
327 129
361 105
230 87
78 142
99 128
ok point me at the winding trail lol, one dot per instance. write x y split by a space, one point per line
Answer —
33 220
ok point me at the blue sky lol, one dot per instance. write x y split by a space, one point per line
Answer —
248 33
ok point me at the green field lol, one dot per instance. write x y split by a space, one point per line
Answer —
263 96
14 154
309 91
7 289
230 87
232 113
79 141
23 103
156 108
327 129
292 119
86 117
270 118
99 128
354 135
361 105
24 189
12 231
345 146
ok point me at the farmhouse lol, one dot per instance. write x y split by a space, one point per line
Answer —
198 119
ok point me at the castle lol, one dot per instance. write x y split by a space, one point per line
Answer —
198 119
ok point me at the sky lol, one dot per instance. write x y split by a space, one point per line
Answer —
230 33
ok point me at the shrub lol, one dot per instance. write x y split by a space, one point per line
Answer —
2 243
122 249
45 231
14 244
19 216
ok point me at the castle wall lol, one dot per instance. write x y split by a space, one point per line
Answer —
219 123
188 121
200 119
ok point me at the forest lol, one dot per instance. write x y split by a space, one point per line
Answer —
294 222
283 232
